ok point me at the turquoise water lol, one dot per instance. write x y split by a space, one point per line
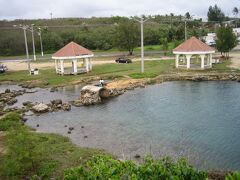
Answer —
197 120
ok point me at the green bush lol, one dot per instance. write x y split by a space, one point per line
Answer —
105 167
10 121
234 176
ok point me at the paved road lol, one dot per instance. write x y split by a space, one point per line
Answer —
102 54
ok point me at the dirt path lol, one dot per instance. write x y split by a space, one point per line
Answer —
2 149
235 59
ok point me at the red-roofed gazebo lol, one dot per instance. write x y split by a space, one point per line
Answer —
74 52
193 53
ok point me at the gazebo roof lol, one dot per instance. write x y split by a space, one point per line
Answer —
193 45
72 50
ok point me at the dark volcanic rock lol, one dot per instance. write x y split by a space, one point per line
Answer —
7 91
27 103
12 101
66 107
56 102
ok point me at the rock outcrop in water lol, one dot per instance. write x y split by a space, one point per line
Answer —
91 95
40 108
9 98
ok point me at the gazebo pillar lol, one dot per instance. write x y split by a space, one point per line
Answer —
87 64
177 60
56 65
188 60
90 64
74 66
202 60
62 66
210 60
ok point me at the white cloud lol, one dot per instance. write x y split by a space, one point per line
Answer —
31 9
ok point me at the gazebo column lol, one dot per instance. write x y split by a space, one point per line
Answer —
177 60
87 64
62 66
56 65
202 60
188 60
74 66
210 60
90 64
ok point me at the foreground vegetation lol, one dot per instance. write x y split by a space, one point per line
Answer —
26 154
105 167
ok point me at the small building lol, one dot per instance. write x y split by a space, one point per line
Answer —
74 53
193 53
210 39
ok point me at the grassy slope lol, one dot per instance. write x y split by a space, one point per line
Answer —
29 153
108 71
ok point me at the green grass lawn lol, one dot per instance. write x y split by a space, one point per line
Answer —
109 71
106 71
29 154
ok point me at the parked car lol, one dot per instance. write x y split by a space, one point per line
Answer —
123 60
3 68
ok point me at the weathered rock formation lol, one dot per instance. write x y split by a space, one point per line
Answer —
93 95
40 108
89 95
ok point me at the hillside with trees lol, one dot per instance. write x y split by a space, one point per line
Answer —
96 33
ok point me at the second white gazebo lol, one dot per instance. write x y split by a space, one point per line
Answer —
193 53
73 52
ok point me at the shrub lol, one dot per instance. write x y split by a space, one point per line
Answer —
234 176
9 121
105 167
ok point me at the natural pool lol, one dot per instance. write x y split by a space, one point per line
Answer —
198 120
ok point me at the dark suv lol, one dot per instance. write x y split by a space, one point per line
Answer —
2 68
123 60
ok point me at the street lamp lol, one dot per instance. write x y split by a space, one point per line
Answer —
40 36
141 20
25 27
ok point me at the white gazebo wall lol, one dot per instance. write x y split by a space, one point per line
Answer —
206 60
59 65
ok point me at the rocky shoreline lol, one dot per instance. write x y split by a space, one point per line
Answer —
91 94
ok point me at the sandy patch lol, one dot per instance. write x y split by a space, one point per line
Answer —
124 83
2 136
235 59
18 65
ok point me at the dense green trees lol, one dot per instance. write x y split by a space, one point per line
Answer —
95 33
226 40
215 14
127 35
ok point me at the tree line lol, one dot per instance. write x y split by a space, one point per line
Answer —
106 33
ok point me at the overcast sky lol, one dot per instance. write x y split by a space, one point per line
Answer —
32 9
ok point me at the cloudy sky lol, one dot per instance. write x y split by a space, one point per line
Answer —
31 9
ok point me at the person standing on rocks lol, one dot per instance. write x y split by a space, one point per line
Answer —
101 82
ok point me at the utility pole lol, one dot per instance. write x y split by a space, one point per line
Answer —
40 36
33 42
25 27
141 21
51 14
185 22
